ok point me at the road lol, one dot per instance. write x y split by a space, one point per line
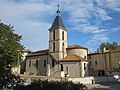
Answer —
104 86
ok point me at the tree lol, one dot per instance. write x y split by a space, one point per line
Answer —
10 48
109 46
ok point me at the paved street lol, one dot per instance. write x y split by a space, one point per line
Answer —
104 86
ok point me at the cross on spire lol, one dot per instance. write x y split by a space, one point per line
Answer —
58 6
58 11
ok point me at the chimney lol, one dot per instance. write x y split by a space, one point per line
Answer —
105 49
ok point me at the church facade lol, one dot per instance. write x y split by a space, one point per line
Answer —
60 60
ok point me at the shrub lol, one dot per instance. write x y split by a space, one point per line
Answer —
52 85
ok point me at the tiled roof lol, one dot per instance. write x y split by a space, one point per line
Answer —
41 51
29 55
94 53
111 51
76 47
73 58
28 51
57 24
38 53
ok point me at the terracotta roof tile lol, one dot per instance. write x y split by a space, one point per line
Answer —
76 47
111 51
38 53
28 55
93 53
41 51
28 51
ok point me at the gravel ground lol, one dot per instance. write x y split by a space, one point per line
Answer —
104 86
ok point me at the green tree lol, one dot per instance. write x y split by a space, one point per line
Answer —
53 85
10 48
109 46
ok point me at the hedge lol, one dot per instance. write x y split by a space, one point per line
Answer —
52 85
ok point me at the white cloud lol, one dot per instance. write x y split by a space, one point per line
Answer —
83 12
115 29
87 16
110 4
98 38
28 20
31 18
102 14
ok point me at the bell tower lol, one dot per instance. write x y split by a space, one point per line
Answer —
58 38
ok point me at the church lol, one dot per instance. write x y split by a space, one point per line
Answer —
59 60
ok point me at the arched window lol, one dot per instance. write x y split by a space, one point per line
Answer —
61 67
66 70
53 46
30 63
63 44
36 63
53 35
84 66
53 63
62 35
95 62
44 63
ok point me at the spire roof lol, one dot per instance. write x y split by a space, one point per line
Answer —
58 23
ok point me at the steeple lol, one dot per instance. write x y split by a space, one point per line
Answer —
58 38
58 23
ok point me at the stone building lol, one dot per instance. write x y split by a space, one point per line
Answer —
95 64
105 63
59 60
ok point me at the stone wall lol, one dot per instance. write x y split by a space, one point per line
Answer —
93 80
79 52
84 80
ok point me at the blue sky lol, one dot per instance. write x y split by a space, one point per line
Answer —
89 22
